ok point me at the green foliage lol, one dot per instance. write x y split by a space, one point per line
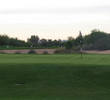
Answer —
43 42
69 45
33 40
103 43
8 42
94 36
70 38
4 39
14 48
95 39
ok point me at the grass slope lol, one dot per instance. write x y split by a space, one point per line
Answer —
54 77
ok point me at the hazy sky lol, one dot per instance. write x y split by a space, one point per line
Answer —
53 18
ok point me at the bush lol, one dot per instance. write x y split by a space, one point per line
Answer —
45 52
1 52
58 51
32 51
17 52
63 51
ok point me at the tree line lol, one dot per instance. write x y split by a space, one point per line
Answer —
96 40
33 41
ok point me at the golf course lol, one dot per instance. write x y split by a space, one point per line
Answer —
54 77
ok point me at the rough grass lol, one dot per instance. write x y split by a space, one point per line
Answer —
54 77
14 48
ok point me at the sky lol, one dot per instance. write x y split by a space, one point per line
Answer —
53 19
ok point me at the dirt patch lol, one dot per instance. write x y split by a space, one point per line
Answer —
25 51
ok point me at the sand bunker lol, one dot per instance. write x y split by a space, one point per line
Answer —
25 51
50 51
97 51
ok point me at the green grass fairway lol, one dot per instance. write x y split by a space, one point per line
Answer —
54 77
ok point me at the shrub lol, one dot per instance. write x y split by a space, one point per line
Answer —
1 52
59 51
63 51
45 52
17 52
31 51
